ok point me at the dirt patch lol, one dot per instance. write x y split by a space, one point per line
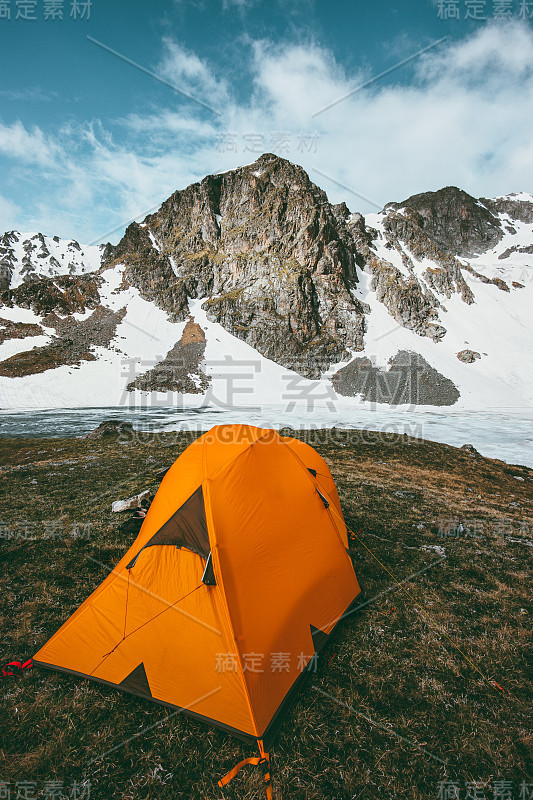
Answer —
192 333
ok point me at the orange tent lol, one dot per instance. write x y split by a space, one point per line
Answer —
237 577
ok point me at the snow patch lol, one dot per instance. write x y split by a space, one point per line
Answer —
155 245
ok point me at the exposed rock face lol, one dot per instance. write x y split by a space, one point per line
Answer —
456 222
18 330
495 281
64 294
409 303
278 263
435 226
73 343
407 230
277 266
272 254
527 248
180 370
516 209
468 356
7 258
410 380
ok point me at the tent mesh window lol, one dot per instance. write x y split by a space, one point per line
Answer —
187 527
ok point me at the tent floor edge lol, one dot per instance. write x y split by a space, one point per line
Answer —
247 738
270 733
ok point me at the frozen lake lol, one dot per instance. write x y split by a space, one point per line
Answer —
506 434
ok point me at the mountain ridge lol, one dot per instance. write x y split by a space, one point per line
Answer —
298 280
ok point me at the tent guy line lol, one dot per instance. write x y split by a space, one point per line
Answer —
148 621
433 622
380 725
391 588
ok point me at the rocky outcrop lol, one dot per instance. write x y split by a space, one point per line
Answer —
409 380
64 294
74 343
483 278
149 271
457 222
363 238
407 301
37 256
18 330
7 258
410 301
406 231
469 448
180 370
527 248
110 428
517 209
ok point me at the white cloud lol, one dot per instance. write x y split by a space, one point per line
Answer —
294 81
31 146
189 73
496 51
456 122
240 4
32 94
10 215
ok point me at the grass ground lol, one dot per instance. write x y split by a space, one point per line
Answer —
393 711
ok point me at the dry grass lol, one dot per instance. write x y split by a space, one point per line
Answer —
398 675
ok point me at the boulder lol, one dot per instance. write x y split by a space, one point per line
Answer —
468 356
130 503
109 428
470 449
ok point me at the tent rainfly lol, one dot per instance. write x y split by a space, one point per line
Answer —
236 579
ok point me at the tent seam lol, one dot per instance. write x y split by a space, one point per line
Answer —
330 515
225 608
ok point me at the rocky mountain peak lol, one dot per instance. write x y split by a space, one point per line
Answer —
457 222
518 207
274 257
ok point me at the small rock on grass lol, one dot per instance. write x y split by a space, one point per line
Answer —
130 503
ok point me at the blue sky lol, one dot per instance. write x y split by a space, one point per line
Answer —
88 141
